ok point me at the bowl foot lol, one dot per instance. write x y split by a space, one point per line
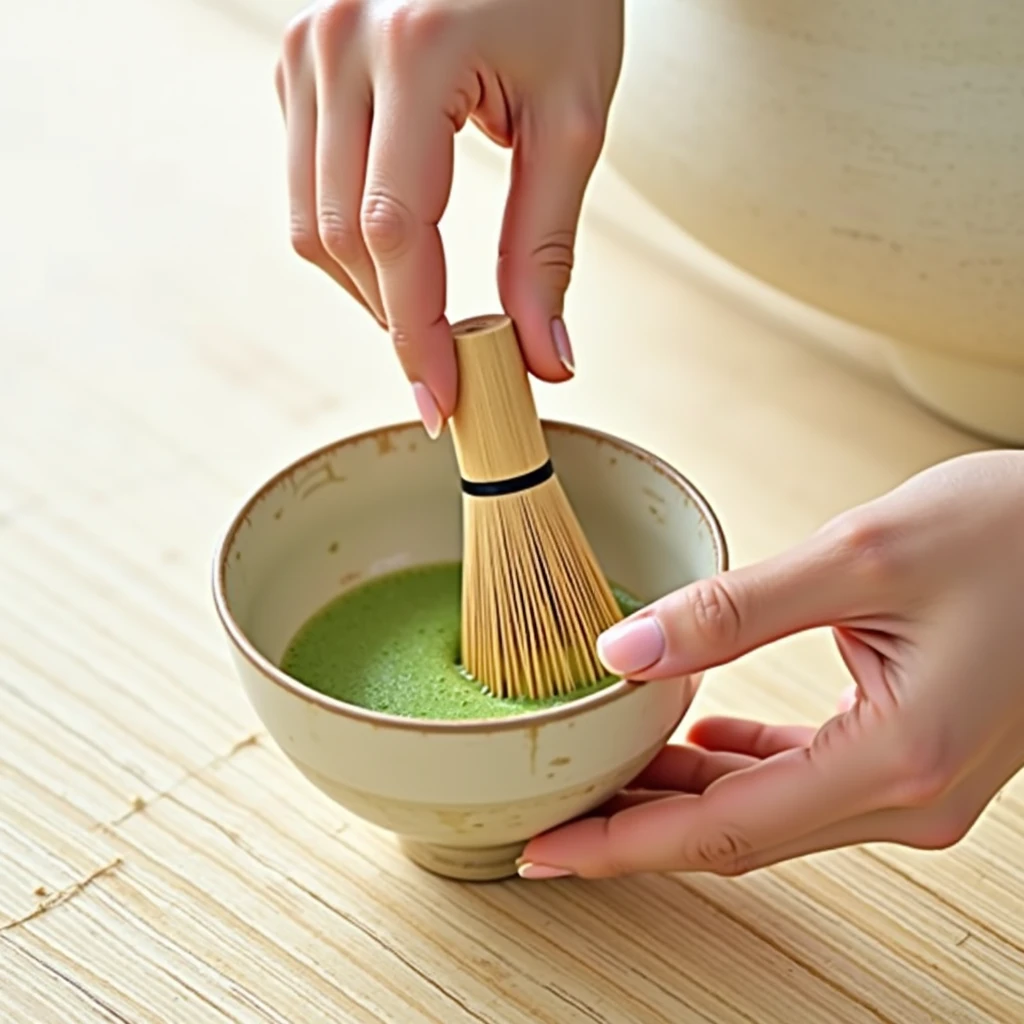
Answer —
984 399
464 863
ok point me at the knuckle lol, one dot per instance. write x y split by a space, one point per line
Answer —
614 841
714 612
387 225
306 242
338 20
865 544
339 236
554 255
405 347
839 732
409 26
723 850
583 132
296 35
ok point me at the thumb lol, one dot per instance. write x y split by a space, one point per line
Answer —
826 580
552 161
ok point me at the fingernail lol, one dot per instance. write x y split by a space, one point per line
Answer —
430 414
560 337
631 646
541 872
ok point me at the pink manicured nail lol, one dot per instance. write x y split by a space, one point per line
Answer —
560 336
430 414
541 872
632 646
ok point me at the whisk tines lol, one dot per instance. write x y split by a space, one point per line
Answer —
534 598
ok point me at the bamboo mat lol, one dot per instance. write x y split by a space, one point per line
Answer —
162 352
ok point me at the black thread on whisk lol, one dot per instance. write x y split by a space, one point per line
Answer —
513 485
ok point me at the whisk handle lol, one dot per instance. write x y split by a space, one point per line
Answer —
499 440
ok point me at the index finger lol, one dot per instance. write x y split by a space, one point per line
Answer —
408 182
775 802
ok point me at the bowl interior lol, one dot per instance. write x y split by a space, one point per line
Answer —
391 499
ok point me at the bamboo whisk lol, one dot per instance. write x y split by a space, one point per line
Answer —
534 599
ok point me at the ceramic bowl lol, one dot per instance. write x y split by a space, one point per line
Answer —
463 797
862 157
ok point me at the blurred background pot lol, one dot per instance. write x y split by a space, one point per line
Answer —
865 157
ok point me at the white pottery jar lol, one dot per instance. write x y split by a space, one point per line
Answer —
863 156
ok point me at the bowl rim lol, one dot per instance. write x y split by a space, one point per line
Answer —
528 720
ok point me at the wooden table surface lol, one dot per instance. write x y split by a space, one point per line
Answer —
163 352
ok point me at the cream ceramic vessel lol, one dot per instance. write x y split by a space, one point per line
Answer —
463 797
864 156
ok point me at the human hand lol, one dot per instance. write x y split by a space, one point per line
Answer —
924 589
373 92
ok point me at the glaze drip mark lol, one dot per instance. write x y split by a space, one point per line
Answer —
311 482
532 738
866 236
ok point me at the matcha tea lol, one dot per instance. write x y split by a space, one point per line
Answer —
392 645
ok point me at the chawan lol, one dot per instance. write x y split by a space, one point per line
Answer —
864 158
462 797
